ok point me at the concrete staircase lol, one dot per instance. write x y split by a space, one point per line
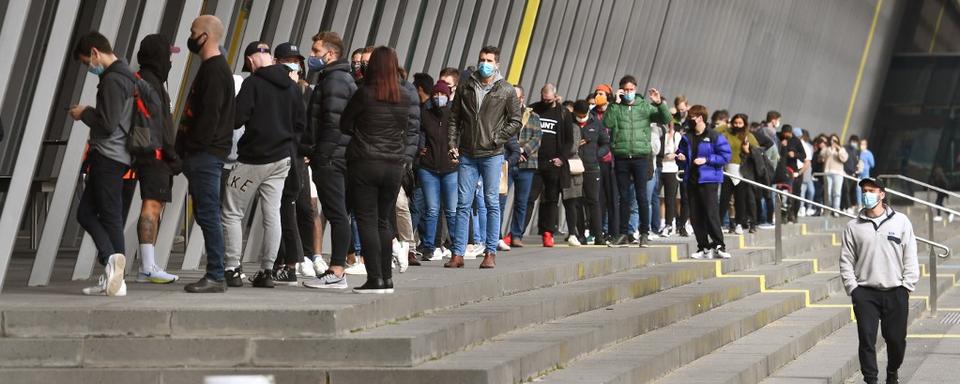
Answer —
585 315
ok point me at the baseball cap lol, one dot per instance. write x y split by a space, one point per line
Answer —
287 50
871 180
252 48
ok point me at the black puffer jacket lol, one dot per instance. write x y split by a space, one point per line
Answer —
596 136
380 130
334 88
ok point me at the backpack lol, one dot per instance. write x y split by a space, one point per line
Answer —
145 136
852 166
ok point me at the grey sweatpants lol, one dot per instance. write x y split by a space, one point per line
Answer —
246 181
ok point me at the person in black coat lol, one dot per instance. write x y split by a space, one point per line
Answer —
383 119
593 136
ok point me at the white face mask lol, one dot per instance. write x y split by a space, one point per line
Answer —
583 119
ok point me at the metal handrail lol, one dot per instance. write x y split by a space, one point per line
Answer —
903 195
933 245
920 183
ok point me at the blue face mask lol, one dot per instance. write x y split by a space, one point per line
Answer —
98 70
293 67
629 96
486 70
315 63
440 101
870 199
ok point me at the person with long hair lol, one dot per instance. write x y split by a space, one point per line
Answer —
745 206
383 118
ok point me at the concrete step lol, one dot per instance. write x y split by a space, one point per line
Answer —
834 360
526 353
406 343
651 355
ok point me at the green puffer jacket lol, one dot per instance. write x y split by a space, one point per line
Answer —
630 126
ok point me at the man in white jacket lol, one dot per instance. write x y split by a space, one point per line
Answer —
878 264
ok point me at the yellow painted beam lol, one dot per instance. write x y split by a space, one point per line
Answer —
863 64
936 28
523 41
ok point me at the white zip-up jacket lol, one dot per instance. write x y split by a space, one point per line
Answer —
879 253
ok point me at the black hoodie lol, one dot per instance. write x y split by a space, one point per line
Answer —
154 59
270 106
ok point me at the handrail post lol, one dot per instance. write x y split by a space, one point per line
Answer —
933 268
778 228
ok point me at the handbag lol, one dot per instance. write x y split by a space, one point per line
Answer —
576 166
504 176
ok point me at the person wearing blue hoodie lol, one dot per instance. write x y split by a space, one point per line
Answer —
269 105
702 154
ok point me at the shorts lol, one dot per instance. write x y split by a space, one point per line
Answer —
156 179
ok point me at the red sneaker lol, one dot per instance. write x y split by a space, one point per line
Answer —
508 239
548 239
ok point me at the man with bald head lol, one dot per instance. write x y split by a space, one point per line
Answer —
204 141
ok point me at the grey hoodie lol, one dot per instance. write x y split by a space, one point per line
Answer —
109 121
879 252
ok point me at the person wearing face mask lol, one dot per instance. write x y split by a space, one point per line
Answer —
523 172
485 114
879 269
155 173
557 126
852 167
335 85
100 210
437 171
609 196
703 153
204 141
833 157
736 134
629 122
593 136
269 106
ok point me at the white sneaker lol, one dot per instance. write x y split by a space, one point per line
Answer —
801 212
573 241
356 269
115 268
446 253
327 281
653 236
938 218
155 275
502 246
319 265
473 250
101 288
950 218
738 230
721 253
305 269
766 226
666 231
811 212
437 255
700 255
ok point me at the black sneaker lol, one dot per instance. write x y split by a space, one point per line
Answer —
682 231
753 228
644 241
286 276
620 241
234 278
388 284
206 285
376 286
893 378
263 279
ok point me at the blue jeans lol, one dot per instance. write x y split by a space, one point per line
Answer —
437 188
653 196
471 170
523 180
203 172
834 188
479 216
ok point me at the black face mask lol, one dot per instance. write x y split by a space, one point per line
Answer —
194 45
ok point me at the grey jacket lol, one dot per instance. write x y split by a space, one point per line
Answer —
879 253
479 129
109 121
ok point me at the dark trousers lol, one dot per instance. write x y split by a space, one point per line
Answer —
635 171
100 211
374 186
940 198
536 190
204 172
295 218
705 215
573 210
744 203
590 203
329 176
888 311
848 194
670 183
550 199
609 197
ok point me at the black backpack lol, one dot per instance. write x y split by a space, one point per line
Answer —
850 166
145 136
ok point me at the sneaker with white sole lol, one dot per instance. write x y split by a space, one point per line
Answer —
938 218
319 265
327 280
402 257
666 231
502 246
766 226
436 255
700 254
305 269
738 229
473 250
356 269
155 275
101 288
115 268
811 212
721 253
573 241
